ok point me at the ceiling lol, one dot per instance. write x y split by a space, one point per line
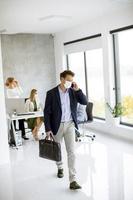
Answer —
50 16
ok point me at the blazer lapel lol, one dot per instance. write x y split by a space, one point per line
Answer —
71 97
58 96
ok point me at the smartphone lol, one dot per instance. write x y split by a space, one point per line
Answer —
72 86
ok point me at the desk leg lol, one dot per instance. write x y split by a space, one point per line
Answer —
9 128
14 133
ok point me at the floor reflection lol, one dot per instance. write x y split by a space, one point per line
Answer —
104 169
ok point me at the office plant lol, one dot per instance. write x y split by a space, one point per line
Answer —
117 111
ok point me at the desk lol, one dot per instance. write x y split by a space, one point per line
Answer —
13 118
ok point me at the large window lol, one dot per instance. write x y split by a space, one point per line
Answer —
123 44
86 60
95 85
76 64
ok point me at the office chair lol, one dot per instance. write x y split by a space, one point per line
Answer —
89 119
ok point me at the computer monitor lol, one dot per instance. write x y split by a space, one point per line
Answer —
14 104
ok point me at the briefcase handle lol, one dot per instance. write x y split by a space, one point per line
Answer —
50 138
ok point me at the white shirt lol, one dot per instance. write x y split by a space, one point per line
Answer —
65 106
14 92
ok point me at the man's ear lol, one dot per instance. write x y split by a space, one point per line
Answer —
62 79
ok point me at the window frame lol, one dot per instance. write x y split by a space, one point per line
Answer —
117 87
67 61
86 79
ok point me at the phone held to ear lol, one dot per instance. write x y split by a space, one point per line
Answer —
72 86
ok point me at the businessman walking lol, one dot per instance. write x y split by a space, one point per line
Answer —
60 115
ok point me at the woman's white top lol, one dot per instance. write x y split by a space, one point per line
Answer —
29 105
14 92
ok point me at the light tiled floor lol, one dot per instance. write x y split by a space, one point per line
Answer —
104 169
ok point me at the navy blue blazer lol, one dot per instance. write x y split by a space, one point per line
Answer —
52 109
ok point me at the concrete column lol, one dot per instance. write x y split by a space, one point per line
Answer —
4 148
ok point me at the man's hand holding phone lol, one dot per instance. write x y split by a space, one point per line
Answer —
75 86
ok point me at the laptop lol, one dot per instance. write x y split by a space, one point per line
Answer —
16 105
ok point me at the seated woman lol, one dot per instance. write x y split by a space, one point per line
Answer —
33 105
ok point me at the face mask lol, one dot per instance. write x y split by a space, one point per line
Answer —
67 84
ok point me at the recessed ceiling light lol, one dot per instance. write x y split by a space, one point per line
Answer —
49 17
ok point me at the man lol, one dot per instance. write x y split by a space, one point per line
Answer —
61 117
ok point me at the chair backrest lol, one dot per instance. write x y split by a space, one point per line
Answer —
81 113
89 109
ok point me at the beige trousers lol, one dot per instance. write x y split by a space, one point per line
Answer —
67 131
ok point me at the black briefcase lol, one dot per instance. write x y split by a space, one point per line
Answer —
49 149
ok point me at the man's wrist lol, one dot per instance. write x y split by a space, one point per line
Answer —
48 131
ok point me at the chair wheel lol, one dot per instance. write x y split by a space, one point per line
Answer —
94 136
92 139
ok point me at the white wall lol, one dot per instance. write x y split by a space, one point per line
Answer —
101 25
4 148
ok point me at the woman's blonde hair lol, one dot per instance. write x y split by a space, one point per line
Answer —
32 94
9 80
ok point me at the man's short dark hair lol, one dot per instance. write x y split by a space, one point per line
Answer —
65 73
